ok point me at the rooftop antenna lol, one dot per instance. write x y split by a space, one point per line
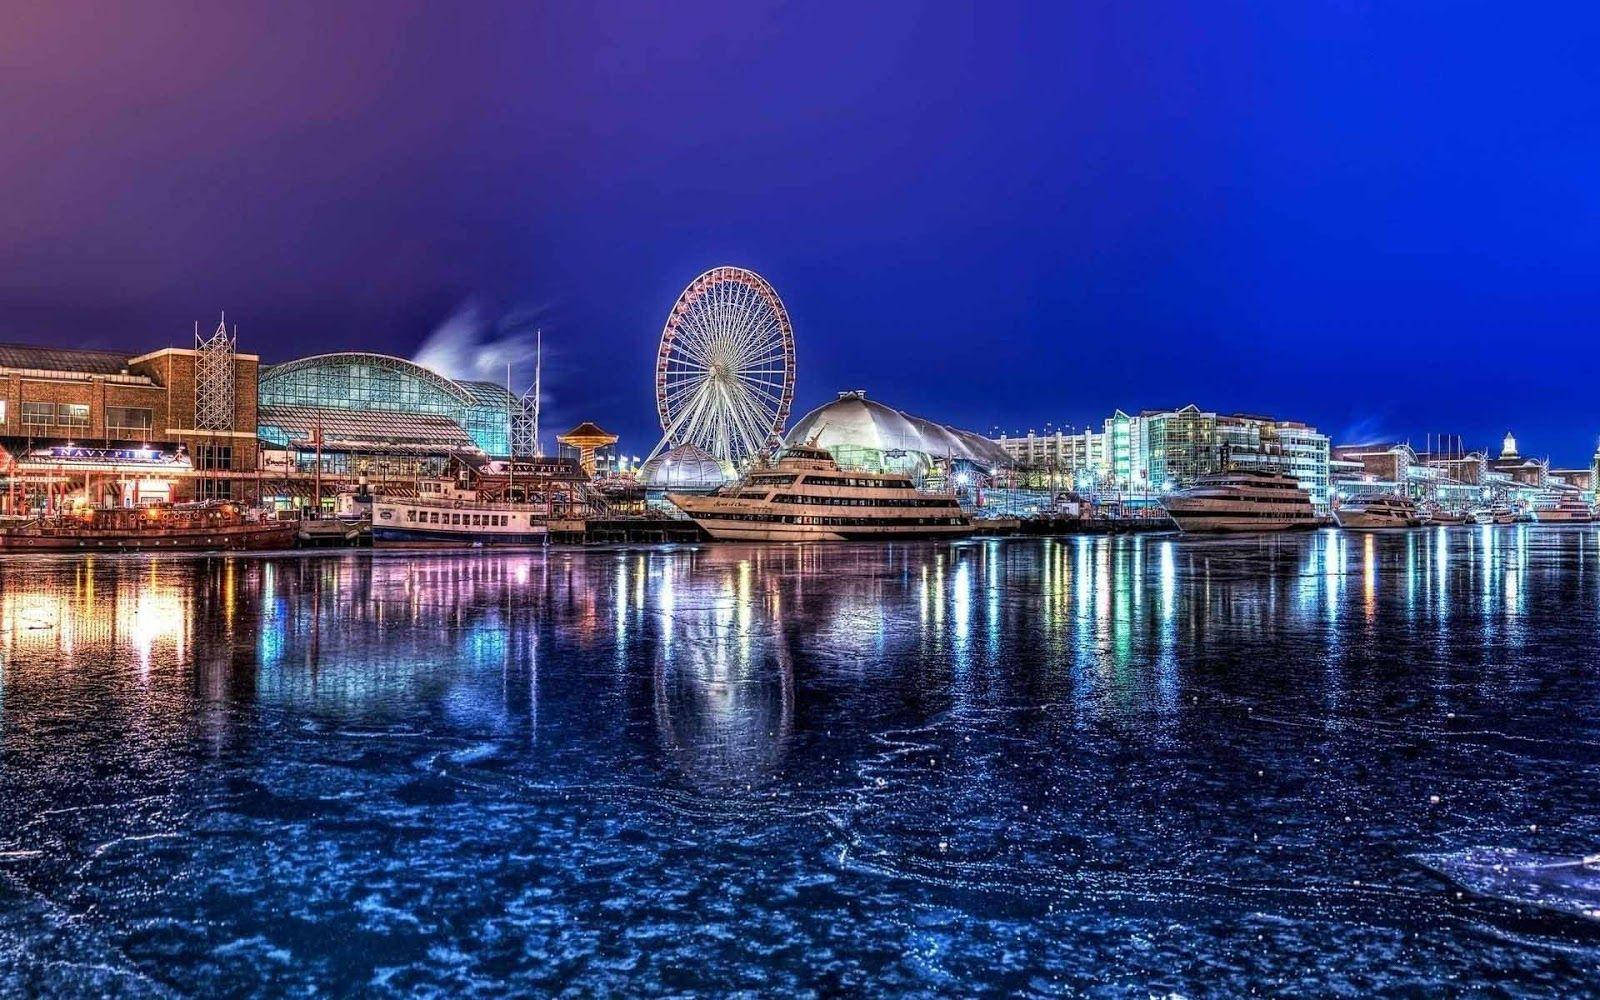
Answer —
538 365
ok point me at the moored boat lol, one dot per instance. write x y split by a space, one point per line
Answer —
197 527
806 497
1568 510
1242 500
448 522
1376 513
1497 514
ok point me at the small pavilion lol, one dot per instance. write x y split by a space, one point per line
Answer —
587 439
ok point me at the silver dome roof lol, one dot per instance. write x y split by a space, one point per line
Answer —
853 420
685 467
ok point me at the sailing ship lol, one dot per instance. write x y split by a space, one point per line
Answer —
806 497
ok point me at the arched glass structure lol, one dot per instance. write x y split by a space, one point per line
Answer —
364 401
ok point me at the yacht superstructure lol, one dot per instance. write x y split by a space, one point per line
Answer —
806 497
1568 510
1242 500
1392 511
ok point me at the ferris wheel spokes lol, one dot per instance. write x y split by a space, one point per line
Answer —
725 370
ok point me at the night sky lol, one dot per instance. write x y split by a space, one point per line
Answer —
1383 218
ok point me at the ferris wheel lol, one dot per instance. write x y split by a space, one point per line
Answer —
725 371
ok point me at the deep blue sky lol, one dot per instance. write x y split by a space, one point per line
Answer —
1382 217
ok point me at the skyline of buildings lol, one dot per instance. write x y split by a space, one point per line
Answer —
1161 450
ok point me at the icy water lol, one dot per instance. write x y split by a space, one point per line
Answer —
1306 765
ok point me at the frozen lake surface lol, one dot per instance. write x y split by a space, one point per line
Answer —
1306 765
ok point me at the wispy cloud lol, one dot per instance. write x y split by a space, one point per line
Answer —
477 342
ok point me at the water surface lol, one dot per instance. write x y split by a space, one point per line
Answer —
1101 767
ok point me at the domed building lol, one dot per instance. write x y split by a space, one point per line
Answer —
863 433
684 469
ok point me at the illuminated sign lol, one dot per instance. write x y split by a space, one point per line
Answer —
73 453
550 467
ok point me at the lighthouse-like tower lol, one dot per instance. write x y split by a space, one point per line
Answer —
1508 447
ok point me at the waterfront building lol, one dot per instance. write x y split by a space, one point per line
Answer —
1385 462
1062 457
1164 450
377 416
1179 446
1282 445
1122 444
862 433
1520 470
109 428
1578 479
1158 451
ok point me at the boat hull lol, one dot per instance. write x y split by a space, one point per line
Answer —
728 520
1362 521
226 538
1237 526
735 531
422 538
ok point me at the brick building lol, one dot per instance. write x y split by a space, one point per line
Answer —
103 427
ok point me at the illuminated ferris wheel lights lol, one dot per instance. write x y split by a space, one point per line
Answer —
725 370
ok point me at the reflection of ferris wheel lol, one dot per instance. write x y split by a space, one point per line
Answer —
725 371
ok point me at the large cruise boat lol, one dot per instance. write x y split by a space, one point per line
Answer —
1242 500
1567 510
1392 511
806 497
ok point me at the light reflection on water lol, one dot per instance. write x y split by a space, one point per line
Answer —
1152 754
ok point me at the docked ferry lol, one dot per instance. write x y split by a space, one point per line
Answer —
442 521
1568 510
1241 500
1392 511
806 497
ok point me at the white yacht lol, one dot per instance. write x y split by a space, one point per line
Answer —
1498 514
806 497
1567 510
442 520
1391 511
1241 500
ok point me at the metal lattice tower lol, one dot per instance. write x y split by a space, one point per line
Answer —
214 378
525 413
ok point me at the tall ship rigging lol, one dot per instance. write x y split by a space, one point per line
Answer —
806 497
